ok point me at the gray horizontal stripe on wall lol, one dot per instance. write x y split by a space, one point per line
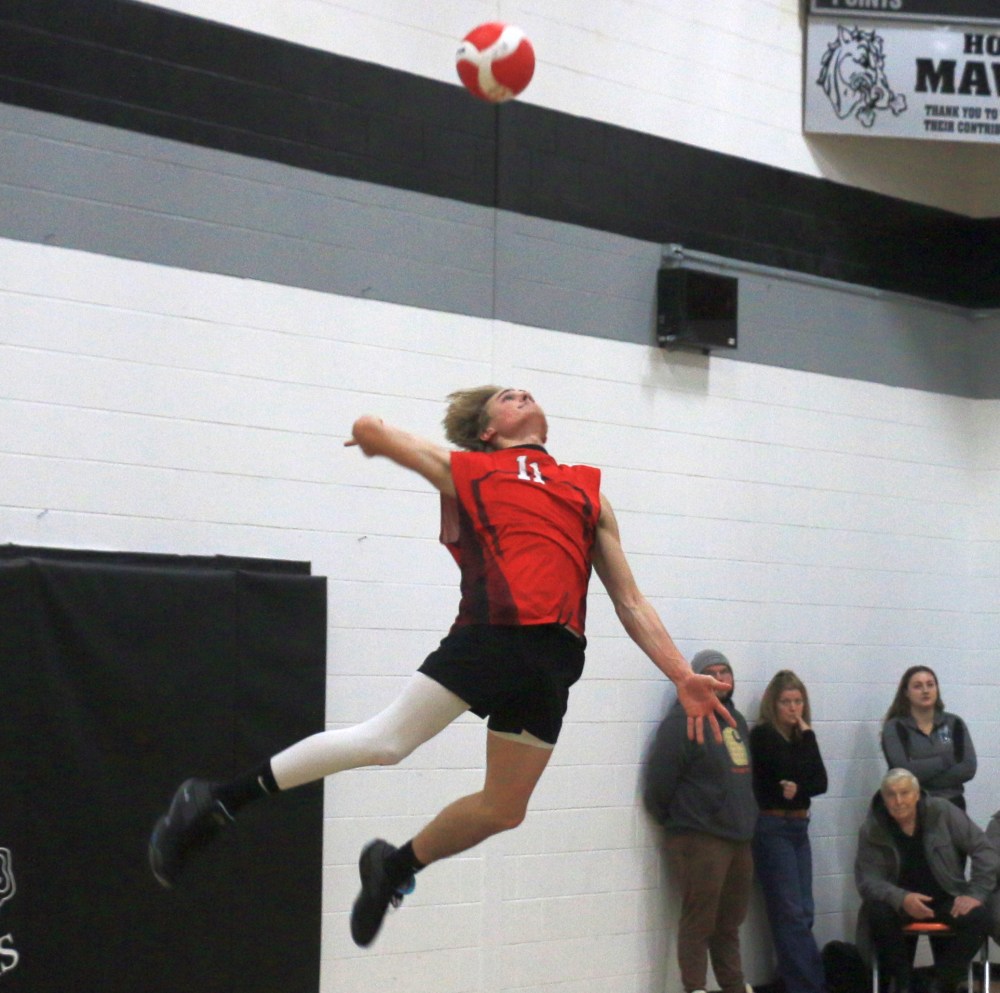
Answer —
78 185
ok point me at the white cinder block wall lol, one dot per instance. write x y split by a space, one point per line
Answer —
841 528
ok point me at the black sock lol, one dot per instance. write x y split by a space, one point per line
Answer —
243 789
403 863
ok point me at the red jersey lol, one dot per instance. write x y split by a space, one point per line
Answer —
522 531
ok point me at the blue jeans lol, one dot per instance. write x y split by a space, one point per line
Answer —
783 861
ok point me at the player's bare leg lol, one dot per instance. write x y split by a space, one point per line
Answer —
512 772
513 769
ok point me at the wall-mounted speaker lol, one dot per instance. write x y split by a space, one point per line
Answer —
695 309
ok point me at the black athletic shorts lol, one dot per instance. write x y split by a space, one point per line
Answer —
518 677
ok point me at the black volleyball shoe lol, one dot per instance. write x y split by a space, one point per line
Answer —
194 818
378 893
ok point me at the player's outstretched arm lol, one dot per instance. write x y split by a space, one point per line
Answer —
432 461
646 629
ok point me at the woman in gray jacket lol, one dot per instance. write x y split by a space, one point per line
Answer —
920 735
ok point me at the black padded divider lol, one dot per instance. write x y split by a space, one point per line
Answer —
119 679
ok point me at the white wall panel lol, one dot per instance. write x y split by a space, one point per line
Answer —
840 528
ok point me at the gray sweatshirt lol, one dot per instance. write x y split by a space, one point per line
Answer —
704 788
942 760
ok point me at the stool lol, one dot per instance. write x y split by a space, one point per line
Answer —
937 929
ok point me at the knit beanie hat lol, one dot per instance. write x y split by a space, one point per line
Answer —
709 656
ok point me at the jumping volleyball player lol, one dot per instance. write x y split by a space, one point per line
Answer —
525 532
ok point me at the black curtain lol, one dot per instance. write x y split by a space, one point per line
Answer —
121 675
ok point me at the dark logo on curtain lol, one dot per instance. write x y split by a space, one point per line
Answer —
852 74
8 953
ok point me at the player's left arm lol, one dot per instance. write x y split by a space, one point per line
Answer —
646 629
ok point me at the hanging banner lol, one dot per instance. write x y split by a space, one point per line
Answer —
891 79
942 11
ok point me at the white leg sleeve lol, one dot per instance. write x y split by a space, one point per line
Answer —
423 709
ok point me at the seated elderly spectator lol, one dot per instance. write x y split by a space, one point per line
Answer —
993 904
910 866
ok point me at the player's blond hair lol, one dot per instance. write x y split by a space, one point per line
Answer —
466 417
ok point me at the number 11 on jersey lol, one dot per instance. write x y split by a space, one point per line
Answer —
522 470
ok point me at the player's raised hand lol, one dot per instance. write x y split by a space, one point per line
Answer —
366 432
697 694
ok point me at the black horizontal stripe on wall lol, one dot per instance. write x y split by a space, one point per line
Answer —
143 68
135 66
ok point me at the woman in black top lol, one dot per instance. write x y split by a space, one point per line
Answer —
787 771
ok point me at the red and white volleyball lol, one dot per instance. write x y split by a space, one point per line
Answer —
495 61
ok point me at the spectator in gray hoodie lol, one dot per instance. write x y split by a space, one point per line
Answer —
702 796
